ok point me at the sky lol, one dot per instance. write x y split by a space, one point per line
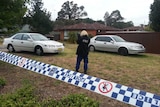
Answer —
136 11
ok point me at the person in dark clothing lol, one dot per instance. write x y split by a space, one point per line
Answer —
82 50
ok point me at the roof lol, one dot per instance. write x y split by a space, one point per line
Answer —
87 26
134 28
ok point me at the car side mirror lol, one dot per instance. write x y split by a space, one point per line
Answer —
29 39
112 41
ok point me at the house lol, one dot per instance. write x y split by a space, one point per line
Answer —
92 29
134 34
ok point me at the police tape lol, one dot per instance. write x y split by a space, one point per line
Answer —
113 90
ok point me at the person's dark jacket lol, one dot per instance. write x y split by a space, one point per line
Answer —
83 48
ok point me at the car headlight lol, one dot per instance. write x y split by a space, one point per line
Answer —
49 45
59 46
136 47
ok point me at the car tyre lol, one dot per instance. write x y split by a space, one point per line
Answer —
123 51
11 48
39 50
92 48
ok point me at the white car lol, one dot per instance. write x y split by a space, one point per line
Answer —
114 43
32 42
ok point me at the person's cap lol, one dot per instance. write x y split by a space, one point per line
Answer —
83 33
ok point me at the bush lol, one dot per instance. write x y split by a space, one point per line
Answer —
26 97
78 100
2 82
72 37
73 100
1 40
90 35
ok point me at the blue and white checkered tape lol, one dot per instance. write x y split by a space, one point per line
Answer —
113 90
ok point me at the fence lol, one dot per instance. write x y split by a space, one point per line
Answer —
151 40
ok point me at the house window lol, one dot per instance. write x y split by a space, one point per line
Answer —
66 35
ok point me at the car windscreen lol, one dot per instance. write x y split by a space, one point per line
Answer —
118 39
38 37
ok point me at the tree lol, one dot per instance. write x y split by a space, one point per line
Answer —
71 11
115 16
122 24
84 20
39 18
11 13
106 18
116 20
154 15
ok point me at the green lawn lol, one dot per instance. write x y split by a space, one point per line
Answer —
137 71
1 41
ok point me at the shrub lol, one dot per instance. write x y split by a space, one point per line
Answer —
2 82
90 35
78 100
24 97
72 37
73 100
1 40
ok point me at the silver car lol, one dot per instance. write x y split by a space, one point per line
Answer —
32 42
114 43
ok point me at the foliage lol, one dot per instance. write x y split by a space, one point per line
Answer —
72 100
1 40
100 21
39 18
72 37
65 22
116 20
2 82
122 25
148 28
154 16
78 100
11 13
71 11
115 16
26 97
90 36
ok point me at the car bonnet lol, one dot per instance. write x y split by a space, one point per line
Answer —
49 42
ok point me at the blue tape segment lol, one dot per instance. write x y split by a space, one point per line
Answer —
113 90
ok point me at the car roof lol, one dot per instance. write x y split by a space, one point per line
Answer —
106 35
28 33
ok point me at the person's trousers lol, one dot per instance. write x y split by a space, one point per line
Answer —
79 59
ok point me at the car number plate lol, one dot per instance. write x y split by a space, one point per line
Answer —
59 49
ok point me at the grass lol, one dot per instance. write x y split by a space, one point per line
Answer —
137 71
1 41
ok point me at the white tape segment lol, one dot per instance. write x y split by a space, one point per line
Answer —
113 90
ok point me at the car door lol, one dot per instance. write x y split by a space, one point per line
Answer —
16 42
27 43
100 43
109 44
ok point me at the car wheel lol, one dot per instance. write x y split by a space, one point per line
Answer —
123 51
10 48
91 48
39 50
